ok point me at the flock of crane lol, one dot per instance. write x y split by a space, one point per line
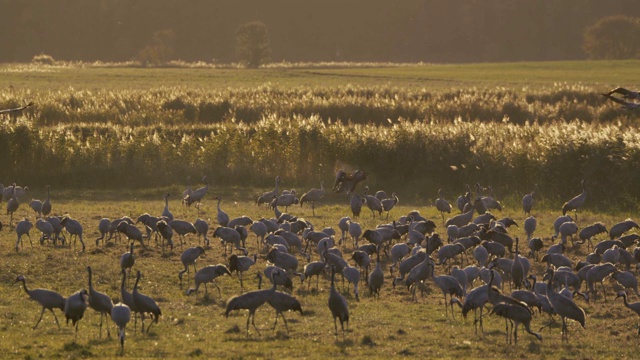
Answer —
410 244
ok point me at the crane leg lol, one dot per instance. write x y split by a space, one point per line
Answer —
253 322
55 317
41 313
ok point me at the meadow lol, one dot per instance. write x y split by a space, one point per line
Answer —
111 140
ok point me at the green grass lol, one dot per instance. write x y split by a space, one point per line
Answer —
517 76
191 326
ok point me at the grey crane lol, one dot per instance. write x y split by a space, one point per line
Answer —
18 109
461 276
347 182
418 273
208 274
576 202
266 198
635 307
389 203
622 227
221 216
629 105
597 274
559 221
240 221
182 228
12 204
285 199
282 302
381 195
535 245
189 257
229 236
56 222
150 224
286 261
48 299
74 228
527 202
113 226
251 301
197 195
74 308
145 304
474 300
398 252
127 298
356 202
240 264
46 204
312 196
46 229
464 199
461 219
376 278
567 229
372 203
626 93
131 231
127 260
165 212
343 225
517 269
260 229
449 251
442 205
99 302
314 269
530 225
627 280
187 191
563 306
490 202
338 306
36 206
23 228
556 260
202 228
355 230
121 315
103 228
590 231
517 314
352 274
166 232
448 285
481 254
407 265
363 260
278 275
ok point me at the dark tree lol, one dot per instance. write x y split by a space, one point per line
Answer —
613 37
160 48
252 44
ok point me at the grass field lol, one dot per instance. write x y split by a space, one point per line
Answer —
518 76
393 326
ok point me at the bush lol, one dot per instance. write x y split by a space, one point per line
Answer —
43 59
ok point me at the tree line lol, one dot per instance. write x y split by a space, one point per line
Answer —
314 30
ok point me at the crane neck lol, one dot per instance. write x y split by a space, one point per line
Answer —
24 284
124 278
135 286
89 271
